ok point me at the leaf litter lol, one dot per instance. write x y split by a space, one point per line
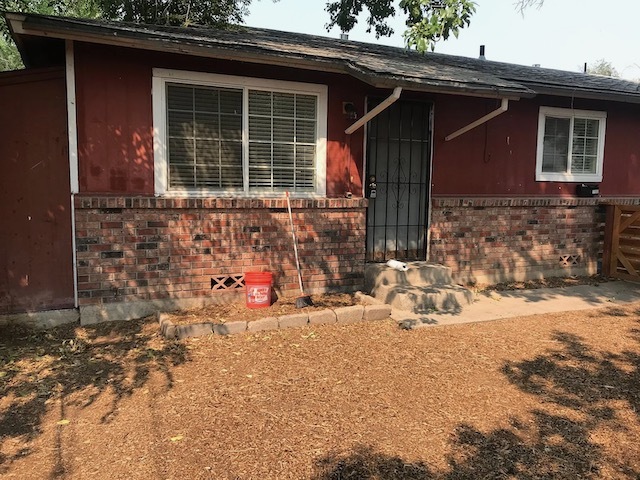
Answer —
552 396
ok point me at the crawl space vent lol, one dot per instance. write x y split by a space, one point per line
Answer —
569 260
227 282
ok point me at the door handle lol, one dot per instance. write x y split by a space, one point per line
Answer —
372 187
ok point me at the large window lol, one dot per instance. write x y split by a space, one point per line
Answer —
570 145
217 134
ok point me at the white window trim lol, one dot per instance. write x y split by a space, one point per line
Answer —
570 113
158 89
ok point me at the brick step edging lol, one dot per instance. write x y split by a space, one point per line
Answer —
340 316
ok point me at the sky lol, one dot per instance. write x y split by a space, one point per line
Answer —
562 34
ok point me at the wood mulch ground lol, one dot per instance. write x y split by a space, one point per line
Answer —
238 310
553 396
286 305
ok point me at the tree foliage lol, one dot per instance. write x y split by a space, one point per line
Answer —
159 12
522 5
9 56
427 21
176 12
75 8
602 67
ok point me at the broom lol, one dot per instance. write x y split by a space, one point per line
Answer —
303 300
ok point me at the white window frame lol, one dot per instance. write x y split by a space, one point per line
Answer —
163 76
570 114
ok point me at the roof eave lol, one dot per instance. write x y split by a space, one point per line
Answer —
432 86
584 93
512 88
165 43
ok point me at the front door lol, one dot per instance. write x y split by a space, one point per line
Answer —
398 162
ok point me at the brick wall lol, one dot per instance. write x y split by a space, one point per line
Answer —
139 248
494 239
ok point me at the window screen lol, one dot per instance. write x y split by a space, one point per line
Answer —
204 127
205 139
282 141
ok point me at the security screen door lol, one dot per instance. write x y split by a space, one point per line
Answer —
398 156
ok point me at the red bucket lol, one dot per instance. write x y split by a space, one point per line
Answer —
258 288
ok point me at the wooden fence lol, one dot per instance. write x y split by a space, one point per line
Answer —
621 257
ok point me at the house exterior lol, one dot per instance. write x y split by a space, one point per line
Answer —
149 164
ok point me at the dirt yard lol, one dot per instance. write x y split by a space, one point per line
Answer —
554 396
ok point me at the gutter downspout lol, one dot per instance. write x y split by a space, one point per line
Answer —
70 77
503 108
370 115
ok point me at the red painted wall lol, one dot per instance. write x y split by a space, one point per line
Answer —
115 127
35 197
495 159
114 117
622 152
499 157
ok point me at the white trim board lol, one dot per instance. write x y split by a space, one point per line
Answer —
72 126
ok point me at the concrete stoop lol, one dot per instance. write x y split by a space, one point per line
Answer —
423 288
425 298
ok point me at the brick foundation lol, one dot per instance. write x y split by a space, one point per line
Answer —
160 252
488 240
149 249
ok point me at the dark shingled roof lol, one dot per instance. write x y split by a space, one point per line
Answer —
378 65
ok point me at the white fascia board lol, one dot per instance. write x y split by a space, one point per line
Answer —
15 21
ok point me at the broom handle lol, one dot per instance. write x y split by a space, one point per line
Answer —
295 244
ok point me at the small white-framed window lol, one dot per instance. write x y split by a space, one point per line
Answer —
227 135
570 145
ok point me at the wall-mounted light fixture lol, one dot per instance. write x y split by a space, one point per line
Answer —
349 109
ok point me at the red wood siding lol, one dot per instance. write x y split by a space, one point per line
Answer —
115 133
115 128
499 157
35 219
622 153
344 152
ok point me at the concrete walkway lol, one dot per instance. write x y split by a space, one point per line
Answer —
518 303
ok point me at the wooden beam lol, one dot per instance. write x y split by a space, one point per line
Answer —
629 221
608 236
615 241
626 263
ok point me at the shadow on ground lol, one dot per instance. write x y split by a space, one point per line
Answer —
37 367
582 392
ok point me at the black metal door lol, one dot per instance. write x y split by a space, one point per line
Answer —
399 157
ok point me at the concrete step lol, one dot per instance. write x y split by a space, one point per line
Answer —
419 273
424 298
